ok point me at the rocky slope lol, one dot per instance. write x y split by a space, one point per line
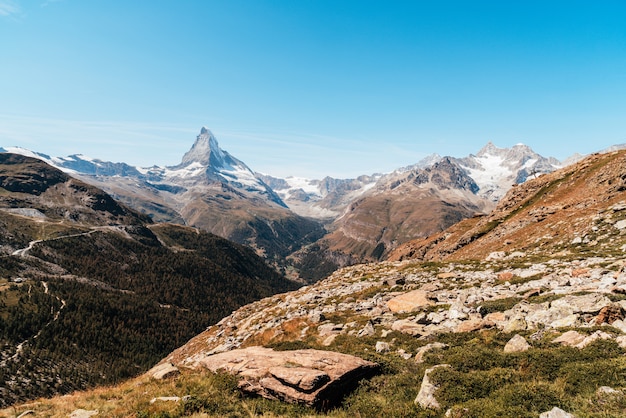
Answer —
400 207
577 206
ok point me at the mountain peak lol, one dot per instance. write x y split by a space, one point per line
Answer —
205 150
488 149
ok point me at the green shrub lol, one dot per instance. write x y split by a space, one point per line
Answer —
457 387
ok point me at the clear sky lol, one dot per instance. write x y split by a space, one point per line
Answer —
311 87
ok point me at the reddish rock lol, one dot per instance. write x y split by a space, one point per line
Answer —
312 377
473 325
610 314
505 276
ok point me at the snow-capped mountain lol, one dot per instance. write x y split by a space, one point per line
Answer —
322 199
495 170
206 163
368 216
209 189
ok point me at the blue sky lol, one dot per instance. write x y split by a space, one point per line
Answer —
311 87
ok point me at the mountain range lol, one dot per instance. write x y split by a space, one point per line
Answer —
308 228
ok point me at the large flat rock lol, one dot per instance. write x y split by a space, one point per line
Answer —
311 377
410 301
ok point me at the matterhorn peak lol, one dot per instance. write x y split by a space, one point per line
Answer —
205 150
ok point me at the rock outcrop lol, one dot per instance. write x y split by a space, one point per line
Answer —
311 377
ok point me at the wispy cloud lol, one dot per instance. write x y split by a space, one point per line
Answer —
9 8
49 2
131 142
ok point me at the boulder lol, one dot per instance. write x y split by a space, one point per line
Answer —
163 371
556 413
419 356
367 331
311 377
406 326
382 347
598 335
426 396
473 325
517 323
570 338
516 344
410 301
590 303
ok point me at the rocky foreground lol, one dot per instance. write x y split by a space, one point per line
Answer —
534 304
512 335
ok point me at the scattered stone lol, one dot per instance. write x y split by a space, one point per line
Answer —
556 413
419 356
165 399
163 371
620 325
598 335
385 333
517 323
620 224
607 390
408 327
426 396
516 344
447 275
82 413
620 290
570 338
312 377
329 340
382 347
532 293
435 318
328 329
457 311
589 303
496 255
395 282
568 321
409 302
402 353
316 317
367 331
473 325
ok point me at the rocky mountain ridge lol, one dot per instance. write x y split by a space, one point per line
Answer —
577 205
308 228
